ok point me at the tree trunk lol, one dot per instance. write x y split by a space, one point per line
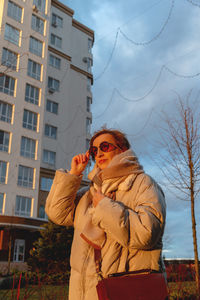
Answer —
195 247
189 133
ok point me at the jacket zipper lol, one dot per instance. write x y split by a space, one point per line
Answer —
83 272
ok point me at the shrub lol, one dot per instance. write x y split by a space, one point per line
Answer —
50 253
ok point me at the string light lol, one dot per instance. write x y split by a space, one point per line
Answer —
115 90
147 94
156 36
181 76
110 58
109 103
130 20
133 42
144 126
195 4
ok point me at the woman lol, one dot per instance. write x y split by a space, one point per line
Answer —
122 213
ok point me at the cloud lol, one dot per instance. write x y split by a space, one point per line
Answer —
135 71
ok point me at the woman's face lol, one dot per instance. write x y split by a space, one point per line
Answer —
104 158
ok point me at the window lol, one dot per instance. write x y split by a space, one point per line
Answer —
89 101
35 46
32 94
28 147
30 120
52 106
54 61
88 123
50 131
40 4
9 59
14 11
4 141
89 85
5 112
45 184
90 43
56 41
25 176
89 65
19 250
7 84
53 84
42 213
2 197
3 171
37 24
57 21
34 69
23 206
49 157
12 34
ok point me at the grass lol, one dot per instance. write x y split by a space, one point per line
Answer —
182 290
43 292
178 290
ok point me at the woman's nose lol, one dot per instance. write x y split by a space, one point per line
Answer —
99 152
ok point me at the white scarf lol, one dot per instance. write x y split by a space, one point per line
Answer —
119 175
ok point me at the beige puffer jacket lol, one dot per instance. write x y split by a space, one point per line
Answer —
129 230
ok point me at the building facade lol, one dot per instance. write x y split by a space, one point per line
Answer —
45 116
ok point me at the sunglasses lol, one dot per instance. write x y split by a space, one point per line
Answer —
104 147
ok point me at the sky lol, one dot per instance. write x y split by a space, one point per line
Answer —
146 55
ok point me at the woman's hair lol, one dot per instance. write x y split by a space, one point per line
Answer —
120 138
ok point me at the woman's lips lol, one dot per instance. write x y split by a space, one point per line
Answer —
101 161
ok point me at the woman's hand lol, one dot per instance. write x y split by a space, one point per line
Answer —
97 197
79 163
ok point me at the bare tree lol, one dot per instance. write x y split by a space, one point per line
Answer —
181 159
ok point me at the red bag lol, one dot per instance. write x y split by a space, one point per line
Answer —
135 285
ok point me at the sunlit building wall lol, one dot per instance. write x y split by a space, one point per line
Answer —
45 116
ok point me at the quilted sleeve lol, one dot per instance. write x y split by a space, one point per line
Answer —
60 203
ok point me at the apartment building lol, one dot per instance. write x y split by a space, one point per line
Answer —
45 115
